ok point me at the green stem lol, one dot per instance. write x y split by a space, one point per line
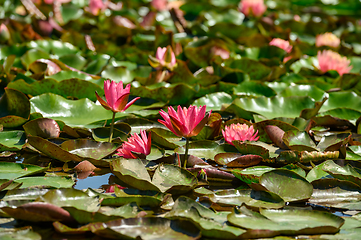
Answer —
186 153
111 128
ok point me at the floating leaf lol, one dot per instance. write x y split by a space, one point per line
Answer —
283 182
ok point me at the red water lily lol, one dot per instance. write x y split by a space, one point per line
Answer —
116 97
241 132
136 144
186 122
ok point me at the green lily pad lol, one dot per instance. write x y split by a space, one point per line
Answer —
252 198
173 179
347 172
133 173
249 148
276 106
73 87
71 112
214 101
299 141
336 193
14 108
283 182
254 89
49 182
86 148
287 221
304 90
12 140
144 228
251 174
211 223
69 197
10 170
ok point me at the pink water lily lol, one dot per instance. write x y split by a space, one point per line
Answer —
252 7
136 144
329 60
327 39
186 122
96 6
116 97
241 132
283 44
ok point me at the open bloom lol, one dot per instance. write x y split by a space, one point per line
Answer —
136 144
186 122
164 58
327 39
283 44
252 7
116 97
241 132
329 60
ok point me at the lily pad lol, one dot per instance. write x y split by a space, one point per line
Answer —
287 221
283 182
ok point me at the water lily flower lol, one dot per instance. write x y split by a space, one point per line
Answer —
136 144
185 123
252 7
329 60
283 44
116 99
327 39
164 58
241 132
95 6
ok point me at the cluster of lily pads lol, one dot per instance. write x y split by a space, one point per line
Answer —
213 118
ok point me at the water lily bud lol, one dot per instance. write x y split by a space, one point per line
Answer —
4 33
164 58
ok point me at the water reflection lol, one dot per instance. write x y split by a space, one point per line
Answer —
92 181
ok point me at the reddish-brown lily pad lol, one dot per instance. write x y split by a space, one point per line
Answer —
42 127
237 159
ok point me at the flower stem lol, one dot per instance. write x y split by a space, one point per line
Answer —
111 128
164 72
186 153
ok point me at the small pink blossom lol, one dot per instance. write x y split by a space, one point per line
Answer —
241 132
186 122
327 39
136 144
329 60
95 6
252 7
283 44
160 5
297 18
116 97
